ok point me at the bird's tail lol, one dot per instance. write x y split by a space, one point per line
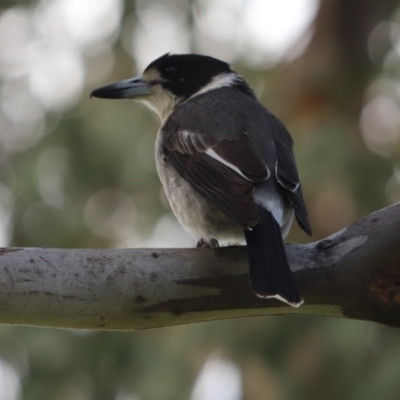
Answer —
270 274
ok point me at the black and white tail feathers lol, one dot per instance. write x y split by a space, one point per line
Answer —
270 274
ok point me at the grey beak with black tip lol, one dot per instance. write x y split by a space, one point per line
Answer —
126 89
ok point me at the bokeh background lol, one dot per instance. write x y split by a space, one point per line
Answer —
80 173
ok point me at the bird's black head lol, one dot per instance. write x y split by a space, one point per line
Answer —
186 74
171 79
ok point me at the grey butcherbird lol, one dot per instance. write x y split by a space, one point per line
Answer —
226 163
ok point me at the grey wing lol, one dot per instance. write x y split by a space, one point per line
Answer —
287 176
222 170
224 163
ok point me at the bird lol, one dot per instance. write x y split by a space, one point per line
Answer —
225 161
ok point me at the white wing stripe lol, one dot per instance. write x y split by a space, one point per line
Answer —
211 153
294 190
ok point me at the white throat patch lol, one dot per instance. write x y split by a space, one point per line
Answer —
162 102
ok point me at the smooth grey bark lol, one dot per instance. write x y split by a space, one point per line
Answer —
354 273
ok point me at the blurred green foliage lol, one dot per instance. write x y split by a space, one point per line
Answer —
89 180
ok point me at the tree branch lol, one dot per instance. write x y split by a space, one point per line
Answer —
354 273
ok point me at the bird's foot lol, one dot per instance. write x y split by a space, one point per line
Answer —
213 243
200 243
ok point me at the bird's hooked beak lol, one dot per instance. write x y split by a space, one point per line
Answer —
126 89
